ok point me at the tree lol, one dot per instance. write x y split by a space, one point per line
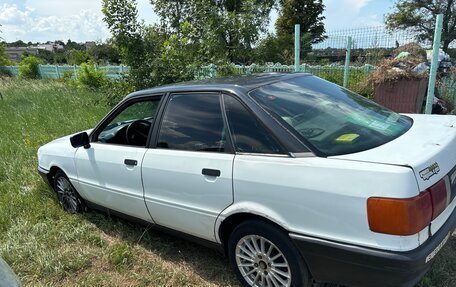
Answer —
279 47
70 45
18 43
307 13
3 58
77 57
420 16
48 57
121 16
105 53
155 55
274 49
225 28
134 41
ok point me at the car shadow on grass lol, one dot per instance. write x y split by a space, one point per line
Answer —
206 263
209 264
214 268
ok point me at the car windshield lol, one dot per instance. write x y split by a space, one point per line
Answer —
334 120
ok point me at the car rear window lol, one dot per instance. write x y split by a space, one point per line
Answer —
332 119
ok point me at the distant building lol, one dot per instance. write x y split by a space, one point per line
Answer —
15 53
90 44
49 46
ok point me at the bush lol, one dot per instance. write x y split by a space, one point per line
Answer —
225 69
115 91
5 72
67 76
4 61
89 77
29 67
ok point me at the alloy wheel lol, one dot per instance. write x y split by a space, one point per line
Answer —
67 195
261 263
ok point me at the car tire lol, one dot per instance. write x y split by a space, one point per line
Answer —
69 198
262 255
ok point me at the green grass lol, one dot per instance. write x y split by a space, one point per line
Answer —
47 247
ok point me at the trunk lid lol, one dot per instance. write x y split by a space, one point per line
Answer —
429 148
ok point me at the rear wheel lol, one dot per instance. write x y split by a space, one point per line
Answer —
262 255
67 195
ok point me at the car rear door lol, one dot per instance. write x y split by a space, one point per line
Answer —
187 177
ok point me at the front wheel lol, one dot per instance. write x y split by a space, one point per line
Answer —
262 255
67 195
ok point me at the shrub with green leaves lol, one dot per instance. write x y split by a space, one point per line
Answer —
29 67
88 76
4 61
116 90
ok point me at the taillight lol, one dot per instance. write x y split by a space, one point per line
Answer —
399 216
410 215
439 196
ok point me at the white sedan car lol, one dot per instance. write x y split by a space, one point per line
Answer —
296 179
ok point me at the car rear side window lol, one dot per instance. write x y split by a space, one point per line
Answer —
193 122
248 133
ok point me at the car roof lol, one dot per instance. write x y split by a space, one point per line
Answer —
237 83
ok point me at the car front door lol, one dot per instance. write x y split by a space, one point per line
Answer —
109 172
187 177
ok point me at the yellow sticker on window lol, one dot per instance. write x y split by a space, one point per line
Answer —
347 138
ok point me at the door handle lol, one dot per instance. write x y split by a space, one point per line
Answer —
131 162
210 172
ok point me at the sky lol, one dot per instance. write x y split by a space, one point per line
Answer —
82 20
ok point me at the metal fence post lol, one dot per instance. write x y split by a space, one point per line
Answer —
297 47
434 63
40 72
347 61
57 71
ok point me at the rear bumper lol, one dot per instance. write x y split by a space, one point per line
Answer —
44 174
359 266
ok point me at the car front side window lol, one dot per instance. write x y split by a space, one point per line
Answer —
131 125
193 122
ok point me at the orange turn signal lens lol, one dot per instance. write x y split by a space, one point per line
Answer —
399 216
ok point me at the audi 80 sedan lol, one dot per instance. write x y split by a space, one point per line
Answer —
296 179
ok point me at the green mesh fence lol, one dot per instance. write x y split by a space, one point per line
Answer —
67 71
10 70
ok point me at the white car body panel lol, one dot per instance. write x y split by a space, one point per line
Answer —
179 196
104 179
59 153
310 196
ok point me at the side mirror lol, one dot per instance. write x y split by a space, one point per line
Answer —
79 140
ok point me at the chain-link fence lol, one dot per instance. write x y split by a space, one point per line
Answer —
366 47
360 59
